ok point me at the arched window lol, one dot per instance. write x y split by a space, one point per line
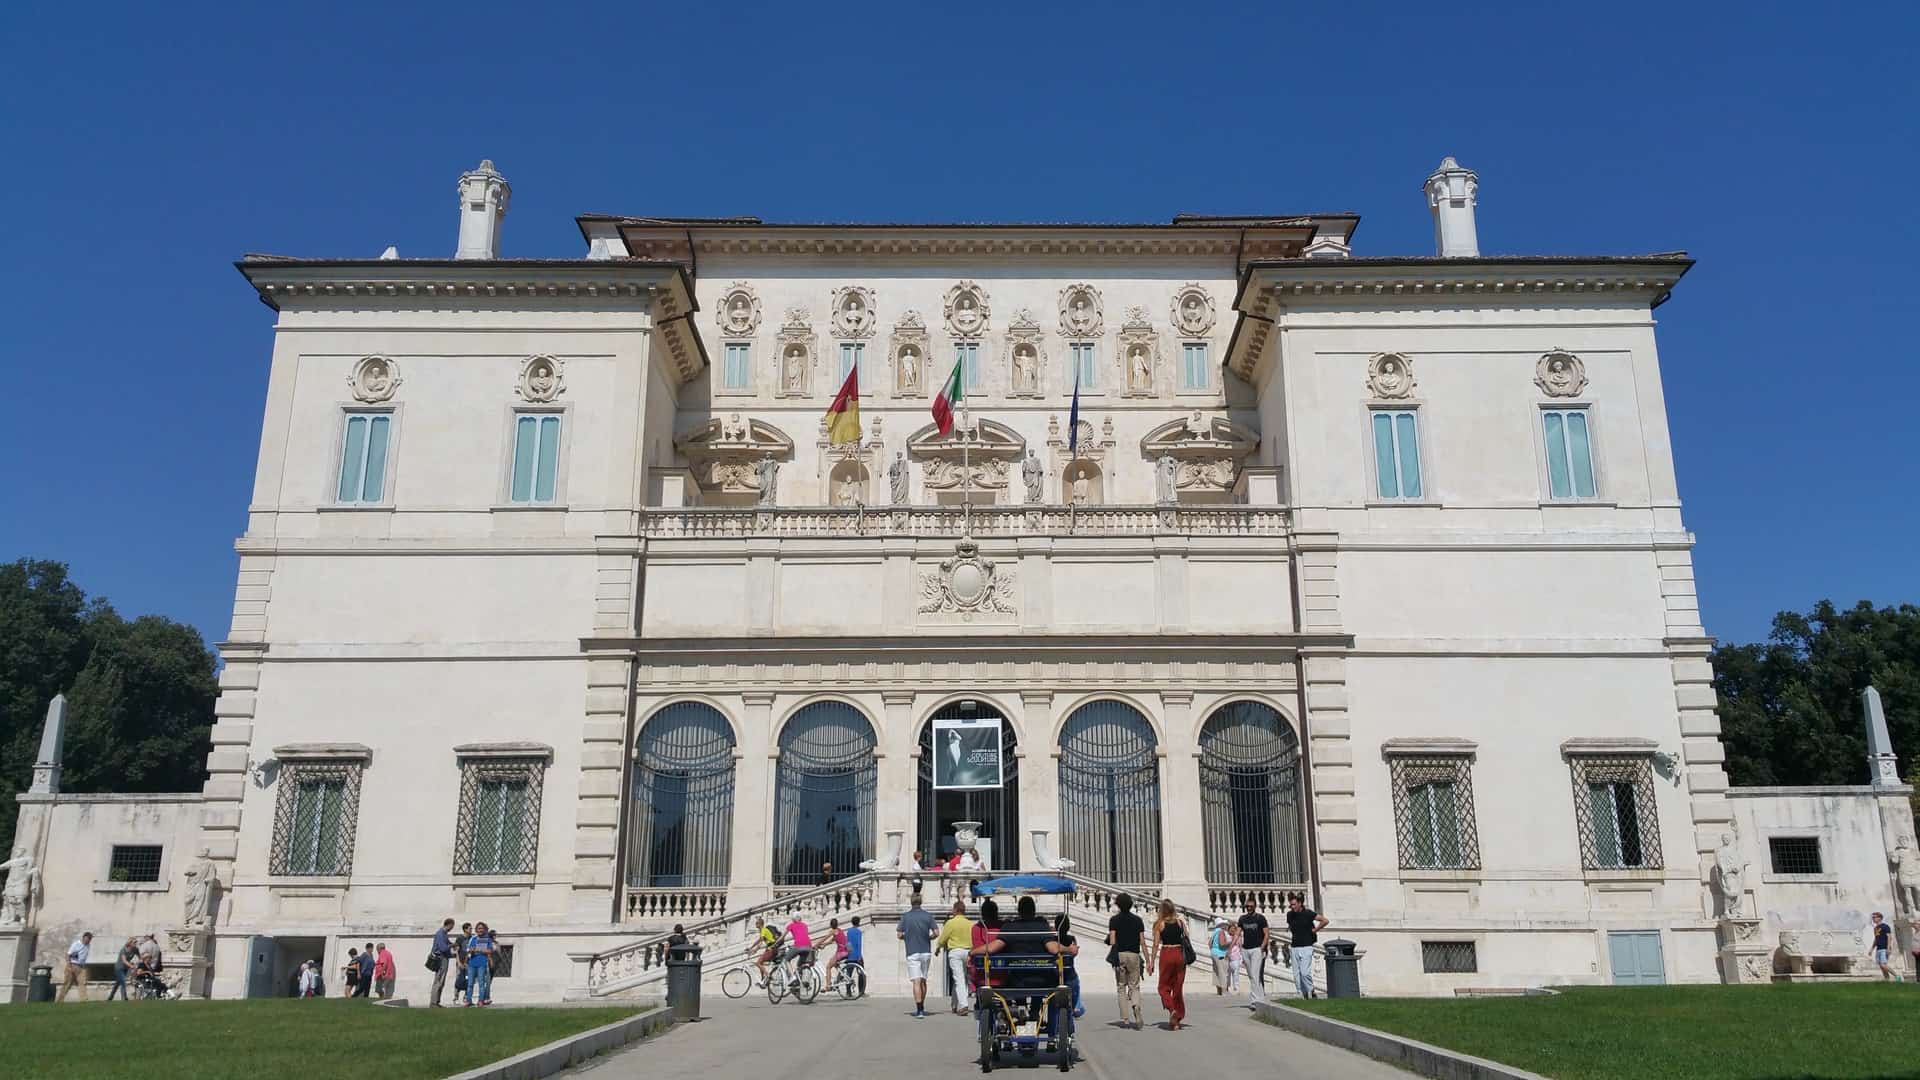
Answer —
680 824
1250 808
823 794
1110 793
997 809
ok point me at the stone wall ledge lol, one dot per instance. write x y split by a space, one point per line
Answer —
574 1049
1411 1055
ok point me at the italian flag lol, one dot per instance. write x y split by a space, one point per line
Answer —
843 416
946 399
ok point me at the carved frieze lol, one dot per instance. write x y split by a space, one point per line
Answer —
1139 354
1193 311
1390 376
1081 314
908 354
739 311
966 311
373 380
853 316
797 350
967 586
987 452
1560 374
1026 355
726 454
1205 453
542 379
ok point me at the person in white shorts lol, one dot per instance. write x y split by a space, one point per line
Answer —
916 933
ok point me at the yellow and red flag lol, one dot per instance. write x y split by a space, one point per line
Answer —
843 416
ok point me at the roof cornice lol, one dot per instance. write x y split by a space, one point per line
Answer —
1273 239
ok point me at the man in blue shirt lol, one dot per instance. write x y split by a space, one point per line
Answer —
365 985
442 953
855 936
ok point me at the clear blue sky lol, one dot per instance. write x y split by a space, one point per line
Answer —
146 147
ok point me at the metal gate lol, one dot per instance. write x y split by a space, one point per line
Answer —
680 823
1110 794
997 811
823 794
1250 807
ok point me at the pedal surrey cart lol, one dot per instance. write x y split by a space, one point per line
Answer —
1024 1004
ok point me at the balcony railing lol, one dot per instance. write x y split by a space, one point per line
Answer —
702 523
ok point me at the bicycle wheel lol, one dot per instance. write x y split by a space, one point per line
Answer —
807 986
777 985
853 980
736 983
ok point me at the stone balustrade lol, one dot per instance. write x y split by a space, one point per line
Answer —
702 523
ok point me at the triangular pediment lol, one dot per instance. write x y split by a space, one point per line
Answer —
1198 436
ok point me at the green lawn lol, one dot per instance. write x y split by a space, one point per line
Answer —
1854 1031
270 1040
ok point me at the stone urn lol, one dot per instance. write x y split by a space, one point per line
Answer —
966 834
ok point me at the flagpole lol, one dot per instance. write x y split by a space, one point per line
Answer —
966 472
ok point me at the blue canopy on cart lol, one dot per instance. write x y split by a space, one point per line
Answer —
1023 884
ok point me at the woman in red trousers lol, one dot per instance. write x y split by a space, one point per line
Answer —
1170 935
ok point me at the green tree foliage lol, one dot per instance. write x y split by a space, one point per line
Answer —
139 693
1790 708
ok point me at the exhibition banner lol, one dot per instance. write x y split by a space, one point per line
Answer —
966 754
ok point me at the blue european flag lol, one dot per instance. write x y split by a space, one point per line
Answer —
1073 416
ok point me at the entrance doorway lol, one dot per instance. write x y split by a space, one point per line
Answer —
997 809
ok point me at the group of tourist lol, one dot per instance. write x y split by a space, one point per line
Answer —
471 953
139 963
960 939
849 943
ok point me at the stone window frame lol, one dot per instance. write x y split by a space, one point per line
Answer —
720 387
348 411
1541 451
1208 385
1410 760
1631 765
317 762
1422 445
562 456
1827 874
479 762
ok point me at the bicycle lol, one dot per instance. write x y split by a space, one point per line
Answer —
740 980
850 978
801 980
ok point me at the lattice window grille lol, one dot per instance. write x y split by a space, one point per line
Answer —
1613 805
499 824
134 862
1433 812
314 819
1448 958
1795 854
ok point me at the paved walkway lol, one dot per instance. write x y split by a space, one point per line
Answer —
879 1038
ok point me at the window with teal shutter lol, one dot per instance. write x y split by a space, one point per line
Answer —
737 370
1396 454
363 458
536 457
1193 365
969 354
1082 353
852 356
1569 454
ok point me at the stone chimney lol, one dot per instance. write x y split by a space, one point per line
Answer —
1452 191
483 202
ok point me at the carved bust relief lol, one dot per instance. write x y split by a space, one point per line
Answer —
1081 316
966 310
1193 310
739 313
1390 376
853 311
542 378
374 380
1560 374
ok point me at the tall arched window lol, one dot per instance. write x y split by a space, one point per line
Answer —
1110 793
1250 808
680 824
823 794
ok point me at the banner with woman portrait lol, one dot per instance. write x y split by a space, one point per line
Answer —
966 754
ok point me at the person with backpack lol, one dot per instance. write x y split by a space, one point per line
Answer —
439 958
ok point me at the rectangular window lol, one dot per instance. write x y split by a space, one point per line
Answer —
852 355
536 456
1396 454
1569 453
1614 808
1790 854
499 820
1433 812
1193 365
363 457
737 370
134 862
969 355
314 818
1448 958
1083 363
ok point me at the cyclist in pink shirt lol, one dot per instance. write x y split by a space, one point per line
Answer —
799 939
839 947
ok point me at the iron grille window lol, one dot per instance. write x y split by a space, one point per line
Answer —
1110 793
138 862
1613 805
502 963
1433 812
1795 854
1448 958
314 818
499 826
1251 813
680 824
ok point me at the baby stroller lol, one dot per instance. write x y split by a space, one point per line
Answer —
150 987
1024 1007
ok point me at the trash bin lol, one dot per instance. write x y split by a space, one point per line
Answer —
1343 968
40 983
683 981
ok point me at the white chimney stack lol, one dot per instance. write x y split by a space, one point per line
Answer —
1451 193
483 202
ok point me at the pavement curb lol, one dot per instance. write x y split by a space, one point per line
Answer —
1413 1056
574 1049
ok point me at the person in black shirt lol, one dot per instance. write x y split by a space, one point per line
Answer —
1027 935
1305 925
1254 946
1123 934
1070 948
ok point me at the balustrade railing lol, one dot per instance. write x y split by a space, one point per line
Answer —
696 523
651 903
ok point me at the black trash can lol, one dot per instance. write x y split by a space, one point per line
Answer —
1343 968
683 981
40 983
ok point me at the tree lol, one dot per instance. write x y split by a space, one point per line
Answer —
139 694
1790 708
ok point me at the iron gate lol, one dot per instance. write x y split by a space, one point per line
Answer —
1110 793
1250 807
997 811
823 794
680 825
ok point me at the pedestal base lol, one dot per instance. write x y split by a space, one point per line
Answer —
189 963
16 955
1745 957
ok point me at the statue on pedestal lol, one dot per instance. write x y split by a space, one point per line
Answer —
897 478
23 888
202 880
769 476
1163 474
1906 875
1730 877
1034 474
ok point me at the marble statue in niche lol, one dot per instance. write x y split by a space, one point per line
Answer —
848 494
908 378
1080 484
793 368
1026 370
1139 369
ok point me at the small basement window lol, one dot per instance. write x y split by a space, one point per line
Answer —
1794 854
134 862
1448 958
503 961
